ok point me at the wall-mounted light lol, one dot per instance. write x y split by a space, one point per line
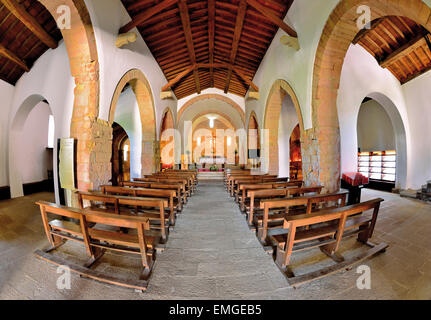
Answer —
211 119
125 152
229 141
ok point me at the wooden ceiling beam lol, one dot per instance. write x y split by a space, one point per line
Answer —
4 52
246 80
178 78
271 16
30 22
211 36
364 32
242 9
404 50
197 66
142 17
185 20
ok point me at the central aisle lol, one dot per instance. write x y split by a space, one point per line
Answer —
211 253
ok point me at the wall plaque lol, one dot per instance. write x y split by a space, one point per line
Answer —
67 163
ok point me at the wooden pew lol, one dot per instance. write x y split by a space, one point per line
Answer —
184 182
274 211
170 195
325 229
260 178
96 240
229 176
188 179
244 186
153 209
179 188
256 196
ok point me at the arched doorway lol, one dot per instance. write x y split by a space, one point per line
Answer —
381 137
201 106
120 155
338 34
253 142
215 141
282 114
32 148
295 155
135 82
167 140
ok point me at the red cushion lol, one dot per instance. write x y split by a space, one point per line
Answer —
355 179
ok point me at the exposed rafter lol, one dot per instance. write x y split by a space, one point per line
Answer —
363 33
245 79
147 14
242 9
196 46
405 50
13 57
271 16
211 36
197 66
30 22
185 20
178 78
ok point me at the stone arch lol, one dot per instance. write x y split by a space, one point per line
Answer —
399 133
81 47
211 96
279 90
253 124
14 145
221 114
337 36
144 97
168 126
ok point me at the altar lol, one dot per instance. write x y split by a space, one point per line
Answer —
212 160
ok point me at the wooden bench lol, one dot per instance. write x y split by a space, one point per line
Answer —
325 229
184 183
179 188
275 211
188 180
261 178
104 235
256 196
170 195
153 209
229 177
246 186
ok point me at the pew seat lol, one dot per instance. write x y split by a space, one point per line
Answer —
98 232
326 229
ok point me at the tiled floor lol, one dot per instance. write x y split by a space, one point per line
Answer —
212 254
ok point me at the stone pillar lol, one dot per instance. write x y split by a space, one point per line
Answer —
310 157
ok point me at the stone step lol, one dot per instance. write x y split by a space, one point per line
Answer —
210 176
409 193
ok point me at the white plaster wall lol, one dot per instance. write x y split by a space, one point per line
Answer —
288 121
49 79
108 16
418 98
127 115
308 17
361 77
6 94
375 129
33 143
